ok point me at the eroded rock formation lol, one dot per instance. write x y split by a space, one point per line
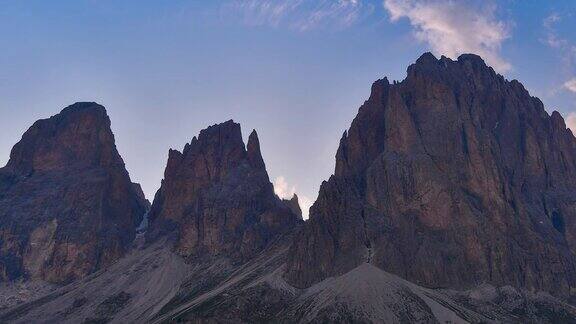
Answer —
216 198
294 205
67 205
451 178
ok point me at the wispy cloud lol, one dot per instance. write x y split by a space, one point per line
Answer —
552 38
286 191
282 189
571 85
452 28
566 49
571 122
301 15
305 204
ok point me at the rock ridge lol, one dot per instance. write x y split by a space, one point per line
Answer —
457 177
216 198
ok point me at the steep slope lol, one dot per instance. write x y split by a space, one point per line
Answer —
132 290
294 205
453 177
67 205
216 198
155 285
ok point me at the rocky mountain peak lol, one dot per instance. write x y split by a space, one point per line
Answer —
253 151
426 59
428 67
450 178
294 205
216 198
222 147
67 205
78 137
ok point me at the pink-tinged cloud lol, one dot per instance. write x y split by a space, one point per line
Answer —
571 121
452 28
571 85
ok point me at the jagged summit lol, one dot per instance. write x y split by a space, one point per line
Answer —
294 205
426 58
216 197
430 59
253 151
469 57
428 66
451 178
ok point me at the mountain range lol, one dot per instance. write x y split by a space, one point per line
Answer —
453 200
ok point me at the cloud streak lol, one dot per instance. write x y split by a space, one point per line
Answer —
565 48
452 28
552 38
571 85
300 15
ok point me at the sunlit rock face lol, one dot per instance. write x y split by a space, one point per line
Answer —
216 198
451 178
67 205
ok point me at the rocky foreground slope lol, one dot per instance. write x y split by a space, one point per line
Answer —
67 205
452 202
156 285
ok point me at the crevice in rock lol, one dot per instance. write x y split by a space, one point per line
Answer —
558 222
143 226
140 239
367 239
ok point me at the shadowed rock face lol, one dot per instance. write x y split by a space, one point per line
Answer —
67 205
451 178
216 197
294 205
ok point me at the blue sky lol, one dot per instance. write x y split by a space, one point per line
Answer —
295 70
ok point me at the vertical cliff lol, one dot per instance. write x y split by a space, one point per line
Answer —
67 205
216 198
451 178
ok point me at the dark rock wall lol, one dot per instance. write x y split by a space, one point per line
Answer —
67 205
450 178
216 197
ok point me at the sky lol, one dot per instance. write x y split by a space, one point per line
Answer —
295 70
